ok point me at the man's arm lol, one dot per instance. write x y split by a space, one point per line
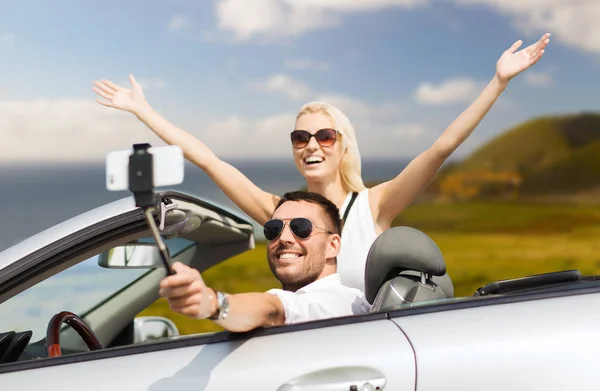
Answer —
248 311
188 295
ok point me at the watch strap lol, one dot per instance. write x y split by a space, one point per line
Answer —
222 306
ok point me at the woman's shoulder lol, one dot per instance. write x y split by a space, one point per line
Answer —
363 194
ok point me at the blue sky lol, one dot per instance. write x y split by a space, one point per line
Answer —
235 72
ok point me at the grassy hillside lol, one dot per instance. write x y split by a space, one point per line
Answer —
536 144
576 172
544 156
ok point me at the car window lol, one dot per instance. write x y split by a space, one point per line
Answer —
76 289
175 245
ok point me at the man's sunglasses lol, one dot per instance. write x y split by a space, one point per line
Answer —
301 228
325 138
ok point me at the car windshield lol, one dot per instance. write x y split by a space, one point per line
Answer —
76 289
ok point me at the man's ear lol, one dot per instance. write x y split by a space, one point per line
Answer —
334 246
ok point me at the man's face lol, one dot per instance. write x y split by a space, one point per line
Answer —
298 262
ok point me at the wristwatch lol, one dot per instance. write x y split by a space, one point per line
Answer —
222 306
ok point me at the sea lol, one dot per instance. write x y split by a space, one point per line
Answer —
36 197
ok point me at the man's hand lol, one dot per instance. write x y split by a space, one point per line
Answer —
187 294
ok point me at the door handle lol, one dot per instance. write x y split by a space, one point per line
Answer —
338 379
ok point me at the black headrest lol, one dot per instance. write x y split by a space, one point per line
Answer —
396 250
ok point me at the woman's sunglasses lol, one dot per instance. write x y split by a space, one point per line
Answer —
325 138
301 228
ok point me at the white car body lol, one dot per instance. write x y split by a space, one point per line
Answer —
540 339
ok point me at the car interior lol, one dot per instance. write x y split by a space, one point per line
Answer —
211 237
404 267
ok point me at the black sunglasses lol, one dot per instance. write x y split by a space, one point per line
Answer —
301 228
325 137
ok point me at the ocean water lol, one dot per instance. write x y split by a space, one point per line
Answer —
37 197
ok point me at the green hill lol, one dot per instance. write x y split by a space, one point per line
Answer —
545 156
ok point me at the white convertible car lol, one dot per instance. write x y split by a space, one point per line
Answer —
69 298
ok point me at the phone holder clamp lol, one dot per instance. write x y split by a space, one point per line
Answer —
141 184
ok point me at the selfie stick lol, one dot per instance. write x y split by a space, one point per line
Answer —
141 184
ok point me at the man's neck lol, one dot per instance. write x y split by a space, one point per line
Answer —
327 271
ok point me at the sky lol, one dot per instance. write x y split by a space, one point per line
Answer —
235 72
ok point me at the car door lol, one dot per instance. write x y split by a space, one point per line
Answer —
537 341
368 352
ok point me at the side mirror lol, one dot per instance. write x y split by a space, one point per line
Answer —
132 256
148 328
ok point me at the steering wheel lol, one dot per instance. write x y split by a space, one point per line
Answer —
84 331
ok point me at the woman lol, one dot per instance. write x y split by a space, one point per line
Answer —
326 154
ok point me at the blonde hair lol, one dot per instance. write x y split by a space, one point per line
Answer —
350 165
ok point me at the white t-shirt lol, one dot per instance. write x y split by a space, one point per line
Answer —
358 235
322 299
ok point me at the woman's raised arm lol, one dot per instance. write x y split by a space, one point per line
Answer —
390 198
255 202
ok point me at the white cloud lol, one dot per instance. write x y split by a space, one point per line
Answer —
286 85
539 79
274 125
276 18
7 39
351 106
269 137
300 91
392 139
409 131
80 130
232 126
449 91
574 23
66 130
359 5
154 83
177 23
237 137
299 64
297 90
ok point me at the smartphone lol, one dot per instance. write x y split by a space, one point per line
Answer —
168 162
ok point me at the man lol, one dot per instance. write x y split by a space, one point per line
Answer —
303 242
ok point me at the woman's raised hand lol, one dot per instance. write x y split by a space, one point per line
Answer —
511 63
127 99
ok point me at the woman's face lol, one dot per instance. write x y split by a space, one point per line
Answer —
315 161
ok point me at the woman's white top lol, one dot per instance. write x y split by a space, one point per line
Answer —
358 235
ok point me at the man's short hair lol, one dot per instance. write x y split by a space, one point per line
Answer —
332 212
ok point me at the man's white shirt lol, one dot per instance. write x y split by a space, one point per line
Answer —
322 299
